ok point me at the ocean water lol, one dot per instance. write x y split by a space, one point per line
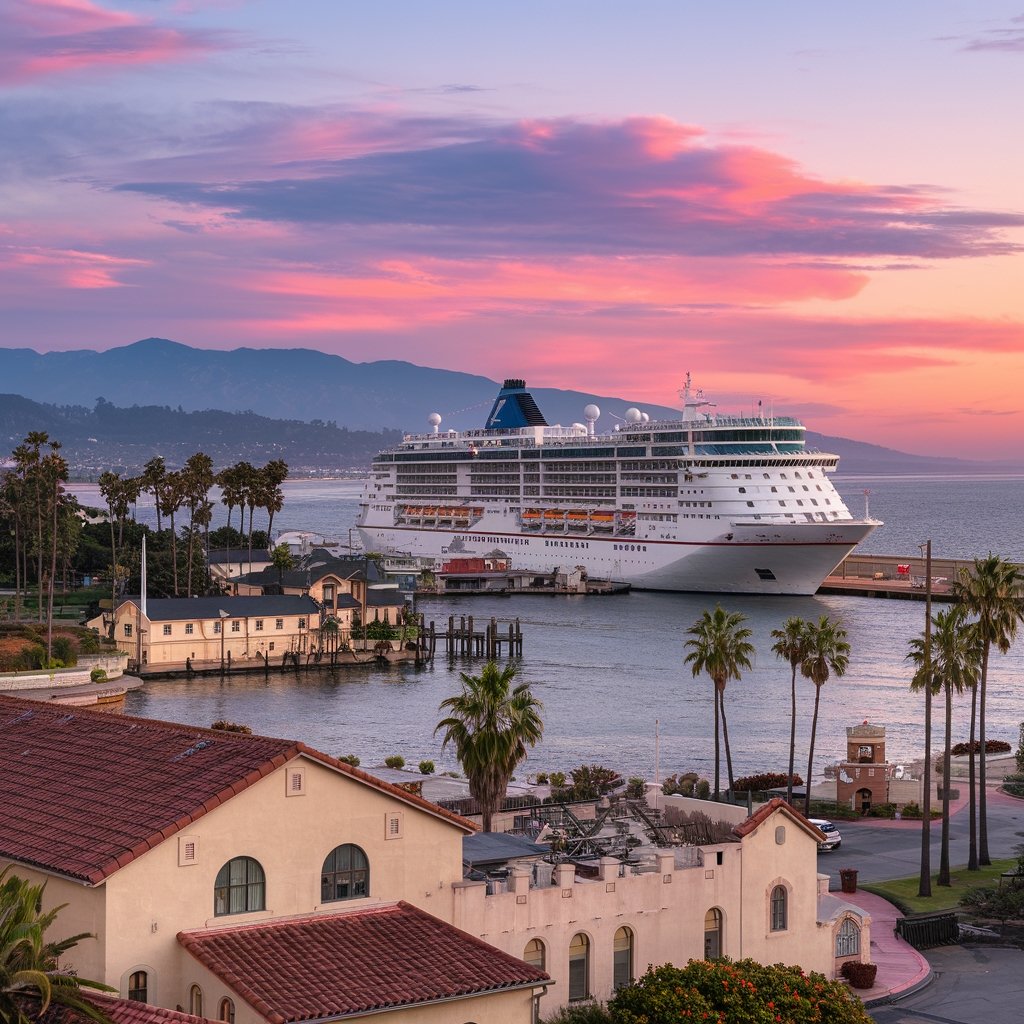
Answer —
608 668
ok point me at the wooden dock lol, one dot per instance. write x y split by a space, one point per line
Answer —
880 576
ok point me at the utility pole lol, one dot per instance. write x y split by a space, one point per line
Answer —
925 885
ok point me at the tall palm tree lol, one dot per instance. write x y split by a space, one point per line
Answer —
953 666
992 590
197 479
491 723
29 963
172 496
230 482
791 645
827 652
275 472
719 645
153 473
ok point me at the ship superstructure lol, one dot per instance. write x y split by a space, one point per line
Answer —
701 503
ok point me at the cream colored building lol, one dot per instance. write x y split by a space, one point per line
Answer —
235 875
170 631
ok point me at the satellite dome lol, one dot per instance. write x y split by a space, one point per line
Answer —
591 412
645 417
434 419
633 415
577 427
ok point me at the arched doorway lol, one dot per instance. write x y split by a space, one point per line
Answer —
862 800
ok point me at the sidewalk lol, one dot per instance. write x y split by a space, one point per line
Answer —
901 968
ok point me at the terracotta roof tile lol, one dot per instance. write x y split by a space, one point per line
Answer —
120 1011
346 964
84 792
763 813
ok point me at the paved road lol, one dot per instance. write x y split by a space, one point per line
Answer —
883 850
972 985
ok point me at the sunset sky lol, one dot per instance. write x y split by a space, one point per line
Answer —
817 205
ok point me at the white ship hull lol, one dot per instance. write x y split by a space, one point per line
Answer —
790 559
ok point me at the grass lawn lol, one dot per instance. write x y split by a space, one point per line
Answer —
903 891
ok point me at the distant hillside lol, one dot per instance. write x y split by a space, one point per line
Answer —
308 403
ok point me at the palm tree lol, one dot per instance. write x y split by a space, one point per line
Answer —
827 652
153 473
954 661
230 482
29 964
172 492
274 473
791 645
491 724
719 646
197 479
992 591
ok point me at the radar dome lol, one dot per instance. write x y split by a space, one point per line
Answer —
434 419
591 412
633 415
645 417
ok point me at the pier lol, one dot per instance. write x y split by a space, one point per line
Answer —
863 575
464 640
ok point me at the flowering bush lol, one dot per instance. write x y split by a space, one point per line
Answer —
766 780
991 747
741 992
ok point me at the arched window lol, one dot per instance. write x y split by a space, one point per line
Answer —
848 939
226 1011
534 954
579 967
138 986
240 887
345 874
779 915
622 959
195 1001
713 934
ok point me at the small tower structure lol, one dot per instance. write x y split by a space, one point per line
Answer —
863 778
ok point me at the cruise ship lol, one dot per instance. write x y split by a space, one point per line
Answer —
704 502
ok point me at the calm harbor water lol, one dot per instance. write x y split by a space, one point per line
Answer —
607 668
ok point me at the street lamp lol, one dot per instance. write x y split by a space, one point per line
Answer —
925 880
223 615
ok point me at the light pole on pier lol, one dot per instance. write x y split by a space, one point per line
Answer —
925 883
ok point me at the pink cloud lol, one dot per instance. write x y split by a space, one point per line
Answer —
50 37
41 268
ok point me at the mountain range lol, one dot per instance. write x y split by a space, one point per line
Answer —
184 394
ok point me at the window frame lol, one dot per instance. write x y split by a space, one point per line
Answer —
577 992
133 988
848 938
253 888
717 931
354 876
622 958
779 908
537 956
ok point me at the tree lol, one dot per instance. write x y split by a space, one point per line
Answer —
719 645
197 479
274 473
791 645
282 560
490 724
744 990
172 490
827 652
952 667
153 473
29 963
992 590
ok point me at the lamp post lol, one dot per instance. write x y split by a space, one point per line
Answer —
925 882
223 615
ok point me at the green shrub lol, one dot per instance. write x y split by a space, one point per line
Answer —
682 784
32 656
427 767
89 642
702 790
766 780
882 811
636 788
542 778
580 1013
98 675
913 811
228 726
349 759
743 992
395 761
991 747
64 650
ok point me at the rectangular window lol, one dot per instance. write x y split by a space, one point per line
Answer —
216 627
127 629
271 644
189 629
302 623
236 626
259 625
167 629
278 623
393 825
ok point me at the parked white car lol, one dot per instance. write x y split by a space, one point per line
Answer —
833 840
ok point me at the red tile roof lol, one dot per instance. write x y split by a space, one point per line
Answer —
120 1011
745 828
84 792
347 964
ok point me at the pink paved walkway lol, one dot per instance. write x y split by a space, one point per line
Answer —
900 966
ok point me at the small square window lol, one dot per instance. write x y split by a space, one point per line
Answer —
189 629
127 629
236 626
259 625
167 629
278 623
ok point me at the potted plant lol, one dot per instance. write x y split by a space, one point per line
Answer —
848 879
859 975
